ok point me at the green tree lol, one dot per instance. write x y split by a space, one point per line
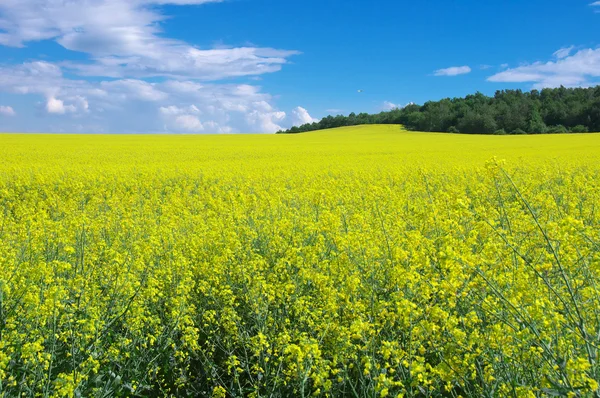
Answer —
477 123
513 111
536 123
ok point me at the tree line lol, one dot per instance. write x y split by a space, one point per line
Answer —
558 110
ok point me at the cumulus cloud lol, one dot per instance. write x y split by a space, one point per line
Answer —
125 48
31 77
388 106
453 71
46 79
124 39
579 69
264 118
182 118
54 105
223 109
301 116
189 122
137 106
7 110
226 112
82 103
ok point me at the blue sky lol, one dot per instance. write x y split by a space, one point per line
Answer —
209 66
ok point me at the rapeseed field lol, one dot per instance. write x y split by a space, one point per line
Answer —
356 262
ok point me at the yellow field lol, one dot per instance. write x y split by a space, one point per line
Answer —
360 262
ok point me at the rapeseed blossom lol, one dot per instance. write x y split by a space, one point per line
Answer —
365 261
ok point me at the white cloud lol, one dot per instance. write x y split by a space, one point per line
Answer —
217 128
563 52
574 70
182 2
224 112
7 111
124 40
388 106
82 103
184 87
334 110
186 119
301 116
174 110
136 89
30 77
56 106
189 122
125 45
137 106
453 71
265 121
47 80
595 4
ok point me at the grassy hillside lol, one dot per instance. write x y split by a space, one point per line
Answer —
362 261
549 111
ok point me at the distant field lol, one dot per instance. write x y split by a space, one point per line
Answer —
342 147
362 261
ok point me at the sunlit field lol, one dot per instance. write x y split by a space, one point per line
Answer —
355 262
